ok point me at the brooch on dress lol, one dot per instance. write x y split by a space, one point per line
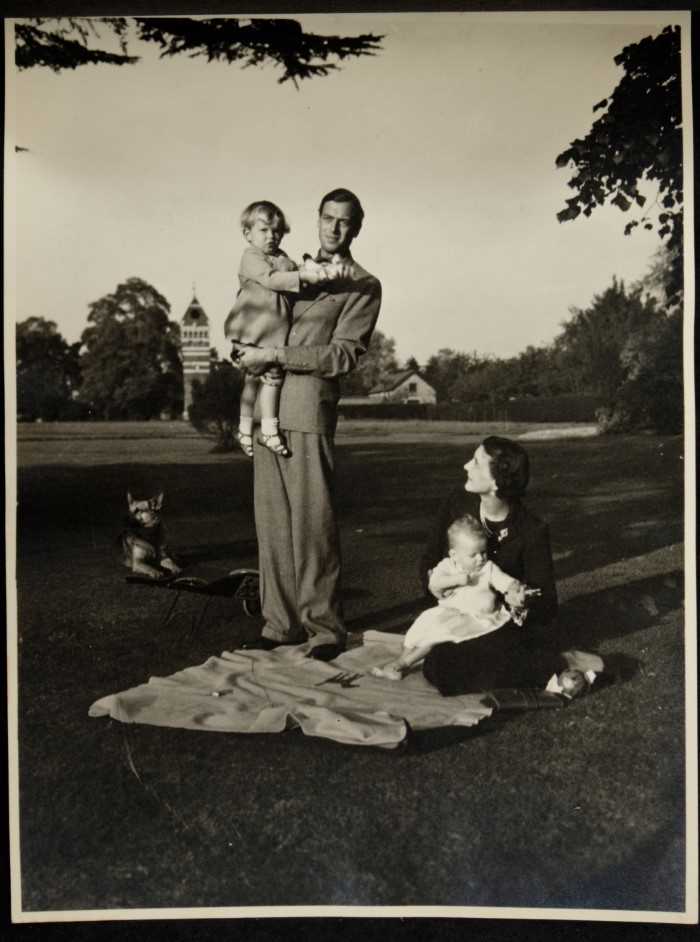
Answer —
502 534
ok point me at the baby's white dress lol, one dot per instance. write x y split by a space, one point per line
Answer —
464 612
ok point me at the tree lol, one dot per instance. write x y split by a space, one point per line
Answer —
592 342
653 393
68 42
446 372
374 367
215 404
637 137
48 372
130 356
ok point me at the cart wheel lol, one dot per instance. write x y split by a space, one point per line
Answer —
251 607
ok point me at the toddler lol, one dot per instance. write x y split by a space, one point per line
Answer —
261 315
474 596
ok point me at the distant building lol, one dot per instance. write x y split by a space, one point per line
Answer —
195 346
403 386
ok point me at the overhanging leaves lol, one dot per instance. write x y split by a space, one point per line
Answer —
638 137
65 43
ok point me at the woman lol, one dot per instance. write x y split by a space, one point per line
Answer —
518 542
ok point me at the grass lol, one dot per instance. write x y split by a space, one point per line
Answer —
574 808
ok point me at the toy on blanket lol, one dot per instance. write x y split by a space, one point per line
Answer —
142 540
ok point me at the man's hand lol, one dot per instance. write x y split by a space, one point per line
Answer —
254 360
313 276
313 272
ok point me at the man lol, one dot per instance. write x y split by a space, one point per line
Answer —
299 551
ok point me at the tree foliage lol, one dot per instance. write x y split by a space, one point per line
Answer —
446 371
377 364
47 370
215 404
592 343
638 137
625 349
67 42
130 357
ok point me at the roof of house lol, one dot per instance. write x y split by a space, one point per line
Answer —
394 380
194 316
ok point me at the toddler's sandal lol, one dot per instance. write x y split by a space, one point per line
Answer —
275 443
246 443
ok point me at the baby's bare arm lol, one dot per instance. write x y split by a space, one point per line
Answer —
441 580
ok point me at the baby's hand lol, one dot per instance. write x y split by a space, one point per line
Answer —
518 594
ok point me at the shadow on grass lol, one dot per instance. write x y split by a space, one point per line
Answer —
628 503
193 556
607 614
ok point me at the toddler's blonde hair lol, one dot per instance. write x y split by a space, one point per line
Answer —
271 213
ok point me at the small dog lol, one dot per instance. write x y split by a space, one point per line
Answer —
143 539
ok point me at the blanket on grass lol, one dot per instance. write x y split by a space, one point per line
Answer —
270 691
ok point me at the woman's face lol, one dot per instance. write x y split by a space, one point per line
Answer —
479 478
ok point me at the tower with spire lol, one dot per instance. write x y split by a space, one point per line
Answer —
195 347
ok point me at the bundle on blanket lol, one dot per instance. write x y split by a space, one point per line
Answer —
269 691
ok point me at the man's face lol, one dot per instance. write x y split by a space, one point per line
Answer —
336 228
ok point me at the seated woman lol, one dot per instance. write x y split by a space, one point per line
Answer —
518 542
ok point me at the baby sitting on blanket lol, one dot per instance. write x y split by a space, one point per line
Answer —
474 597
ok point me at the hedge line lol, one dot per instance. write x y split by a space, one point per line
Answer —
568 408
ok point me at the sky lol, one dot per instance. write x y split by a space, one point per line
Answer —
448 136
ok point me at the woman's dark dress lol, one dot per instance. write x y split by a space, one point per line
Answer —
511 656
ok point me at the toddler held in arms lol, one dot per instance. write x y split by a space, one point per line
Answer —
474 596
261 315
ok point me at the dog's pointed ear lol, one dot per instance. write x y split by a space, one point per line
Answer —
159 501
130 500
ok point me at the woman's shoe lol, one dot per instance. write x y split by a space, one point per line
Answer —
275 443
246 443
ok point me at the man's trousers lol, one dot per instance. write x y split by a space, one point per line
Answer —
298 545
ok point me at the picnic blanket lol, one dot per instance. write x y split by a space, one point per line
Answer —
270 691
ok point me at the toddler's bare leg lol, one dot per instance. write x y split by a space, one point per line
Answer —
249 394
270 435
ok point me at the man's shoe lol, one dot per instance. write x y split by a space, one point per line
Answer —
326 652
260 644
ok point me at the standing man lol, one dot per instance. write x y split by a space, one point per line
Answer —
298 544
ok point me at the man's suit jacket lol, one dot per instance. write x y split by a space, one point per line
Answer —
331 329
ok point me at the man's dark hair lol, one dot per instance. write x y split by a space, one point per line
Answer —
510 465
345 196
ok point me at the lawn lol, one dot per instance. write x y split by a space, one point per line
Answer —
581 807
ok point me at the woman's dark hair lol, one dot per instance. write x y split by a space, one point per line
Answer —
510 465
345 196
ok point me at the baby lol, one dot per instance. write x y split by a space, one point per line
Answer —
471 592
261 315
